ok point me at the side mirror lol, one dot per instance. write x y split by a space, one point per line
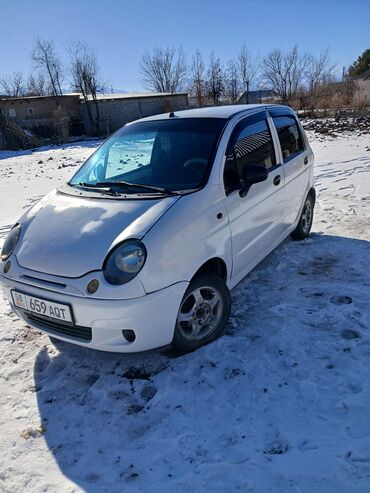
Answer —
253 173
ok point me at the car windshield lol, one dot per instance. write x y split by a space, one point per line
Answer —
172 155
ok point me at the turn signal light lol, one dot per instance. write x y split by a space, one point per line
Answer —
92 286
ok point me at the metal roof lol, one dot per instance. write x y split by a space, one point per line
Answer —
50 96
135 95
364 76
101 97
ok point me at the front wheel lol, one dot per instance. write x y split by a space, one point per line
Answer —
203 313
304 225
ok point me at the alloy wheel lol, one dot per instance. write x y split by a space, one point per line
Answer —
307 216
200 313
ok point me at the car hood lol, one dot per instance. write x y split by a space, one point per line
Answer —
69 236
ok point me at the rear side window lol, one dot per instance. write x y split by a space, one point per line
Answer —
290 136
252 145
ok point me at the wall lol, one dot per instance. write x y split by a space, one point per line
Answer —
117 112
114 113
43 109
362 90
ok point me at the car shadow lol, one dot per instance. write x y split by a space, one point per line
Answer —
104 414
86 401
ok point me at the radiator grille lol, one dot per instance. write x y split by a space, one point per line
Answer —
56 327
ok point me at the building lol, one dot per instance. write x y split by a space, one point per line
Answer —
59 117
362 87
13 137
40 114
115 110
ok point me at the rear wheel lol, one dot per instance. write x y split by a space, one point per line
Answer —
203 313
304 225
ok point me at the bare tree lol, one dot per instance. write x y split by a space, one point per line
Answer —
86 79
164 69
215 84
198 83
296 67
319 71
248 66
45 59
13 85
36 85
232 81
273 71
285 72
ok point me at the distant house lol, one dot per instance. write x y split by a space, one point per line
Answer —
362 87
38 113
59 117
115 110
259 96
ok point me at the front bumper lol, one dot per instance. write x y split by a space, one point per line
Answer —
152 317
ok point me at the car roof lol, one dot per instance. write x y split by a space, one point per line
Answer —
225 112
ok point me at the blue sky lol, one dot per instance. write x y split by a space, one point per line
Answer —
121 30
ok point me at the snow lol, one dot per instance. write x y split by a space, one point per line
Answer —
280 403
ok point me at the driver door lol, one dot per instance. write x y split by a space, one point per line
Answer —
256 220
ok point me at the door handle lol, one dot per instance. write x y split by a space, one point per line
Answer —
305 160
277 180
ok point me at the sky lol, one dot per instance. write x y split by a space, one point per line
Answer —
122 30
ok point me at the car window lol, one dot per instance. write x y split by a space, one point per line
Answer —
176 153
253 145
290 137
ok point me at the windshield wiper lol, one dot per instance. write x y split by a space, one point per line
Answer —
126 184
103 189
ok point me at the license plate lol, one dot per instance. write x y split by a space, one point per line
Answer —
42 307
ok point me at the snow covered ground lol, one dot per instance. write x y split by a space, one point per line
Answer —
279 404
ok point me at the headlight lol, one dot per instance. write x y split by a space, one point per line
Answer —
11 242
124 262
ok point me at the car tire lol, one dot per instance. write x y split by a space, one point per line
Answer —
304 225
203 313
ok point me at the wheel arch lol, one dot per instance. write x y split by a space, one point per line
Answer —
312 192
215 265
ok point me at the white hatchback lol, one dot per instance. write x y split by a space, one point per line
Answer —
141 247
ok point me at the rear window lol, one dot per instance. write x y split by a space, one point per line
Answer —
290 136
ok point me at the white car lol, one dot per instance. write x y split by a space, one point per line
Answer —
141 248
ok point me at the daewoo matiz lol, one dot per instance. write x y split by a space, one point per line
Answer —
141 247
